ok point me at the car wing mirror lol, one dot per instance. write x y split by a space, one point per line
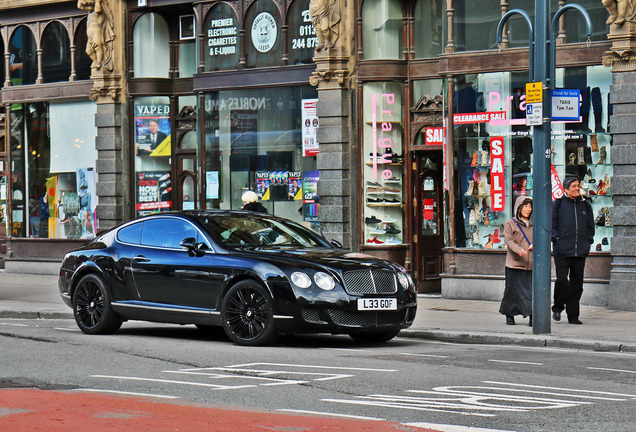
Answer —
189 244
335 243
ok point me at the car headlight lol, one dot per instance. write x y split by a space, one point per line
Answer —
404 280
301 280
324 281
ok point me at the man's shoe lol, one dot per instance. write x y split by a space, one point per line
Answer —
510 320
575 321
556 316
372 220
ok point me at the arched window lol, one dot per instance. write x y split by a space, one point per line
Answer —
24 63
222 38
263 34
82 60
428 28
301 39
151 47
56 53
382 29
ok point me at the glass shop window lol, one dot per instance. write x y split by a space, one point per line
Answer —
382 29
263 140
222 41
56 53
151 47
188 52
22 57
429 28
53 176
263 34
82 60
302 40
575 29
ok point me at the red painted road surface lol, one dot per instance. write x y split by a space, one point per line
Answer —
31 410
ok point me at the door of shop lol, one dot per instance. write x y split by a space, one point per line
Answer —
185 161
429 219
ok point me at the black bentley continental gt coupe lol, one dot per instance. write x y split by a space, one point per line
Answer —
256 275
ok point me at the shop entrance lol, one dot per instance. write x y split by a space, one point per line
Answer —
429 219
185 161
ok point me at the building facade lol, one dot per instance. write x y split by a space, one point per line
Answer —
395 127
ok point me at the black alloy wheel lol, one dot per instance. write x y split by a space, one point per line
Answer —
91 307
248 317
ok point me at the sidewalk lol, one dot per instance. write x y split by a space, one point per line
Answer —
461 321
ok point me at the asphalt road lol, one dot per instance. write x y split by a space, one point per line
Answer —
439 386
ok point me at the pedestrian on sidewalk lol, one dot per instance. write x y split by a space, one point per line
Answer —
572 236
517 298
250 202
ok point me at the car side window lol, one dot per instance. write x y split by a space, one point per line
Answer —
130 234
167 232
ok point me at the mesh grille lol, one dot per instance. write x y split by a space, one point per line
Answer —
311 315
370 282
365 319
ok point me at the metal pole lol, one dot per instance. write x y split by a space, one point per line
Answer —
542 195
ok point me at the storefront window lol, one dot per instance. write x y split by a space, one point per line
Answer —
222 49
56 53
382 29
263 34
259 140
188 52
429 28
153 150
575 29
475 24
151 47
302 38
53 170
82 60
23 58
383 163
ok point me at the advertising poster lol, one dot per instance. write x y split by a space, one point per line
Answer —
262 185
310 196
212 185
295 183
154 192
152 133
87 202
310 125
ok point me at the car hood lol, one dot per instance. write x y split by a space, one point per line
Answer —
327 257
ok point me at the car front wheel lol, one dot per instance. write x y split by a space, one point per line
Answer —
91 307
248 317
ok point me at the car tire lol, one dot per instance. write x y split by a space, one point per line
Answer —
248 314
91 307
374 337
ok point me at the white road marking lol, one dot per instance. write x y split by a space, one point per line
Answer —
402 406
304 366
345 349
613 370
451 428
516 362
424 355
127 393
569 391
68 329
14 325
331 414
214 386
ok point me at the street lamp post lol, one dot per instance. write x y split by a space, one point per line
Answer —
542 69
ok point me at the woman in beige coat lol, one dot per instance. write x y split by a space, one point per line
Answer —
517 298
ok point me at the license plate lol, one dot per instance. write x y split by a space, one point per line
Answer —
377 304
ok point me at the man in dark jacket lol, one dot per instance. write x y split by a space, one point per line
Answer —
572 235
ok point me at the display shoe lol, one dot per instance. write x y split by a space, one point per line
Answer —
600 218
375 240
496 238
393 241
484 158
510 320
608 218
599 248
605 242
580 156
594 142
606 179
392 179
471 186
373 184
590 179
476 238
603 155
489 243
571 159
471 218
601 189
392 230
486 216
372 220
388 219
377 230
481 188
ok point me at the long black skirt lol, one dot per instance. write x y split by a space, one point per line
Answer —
517 298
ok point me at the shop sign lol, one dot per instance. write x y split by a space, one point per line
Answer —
310 127
434 136
382 146
557 187
480 117
264 32
497 174
429 209
305 36
566 105
222 36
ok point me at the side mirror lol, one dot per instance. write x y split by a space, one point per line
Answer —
189 244
335 243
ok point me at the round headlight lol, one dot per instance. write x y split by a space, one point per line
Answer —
324 281
404 280
301 280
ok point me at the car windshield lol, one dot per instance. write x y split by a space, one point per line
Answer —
260 231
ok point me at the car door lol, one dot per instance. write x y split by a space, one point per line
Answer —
166 274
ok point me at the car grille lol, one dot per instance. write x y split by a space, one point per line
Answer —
311 315
365 319
370 282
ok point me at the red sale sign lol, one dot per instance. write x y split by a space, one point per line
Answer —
557 187
429 209
497 174
434 136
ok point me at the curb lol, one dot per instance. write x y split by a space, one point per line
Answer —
7 314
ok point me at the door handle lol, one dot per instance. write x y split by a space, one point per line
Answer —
140 258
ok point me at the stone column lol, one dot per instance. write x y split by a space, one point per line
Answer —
337 164
622 59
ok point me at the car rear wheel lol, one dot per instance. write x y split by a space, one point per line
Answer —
91 307
374 337
248 317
